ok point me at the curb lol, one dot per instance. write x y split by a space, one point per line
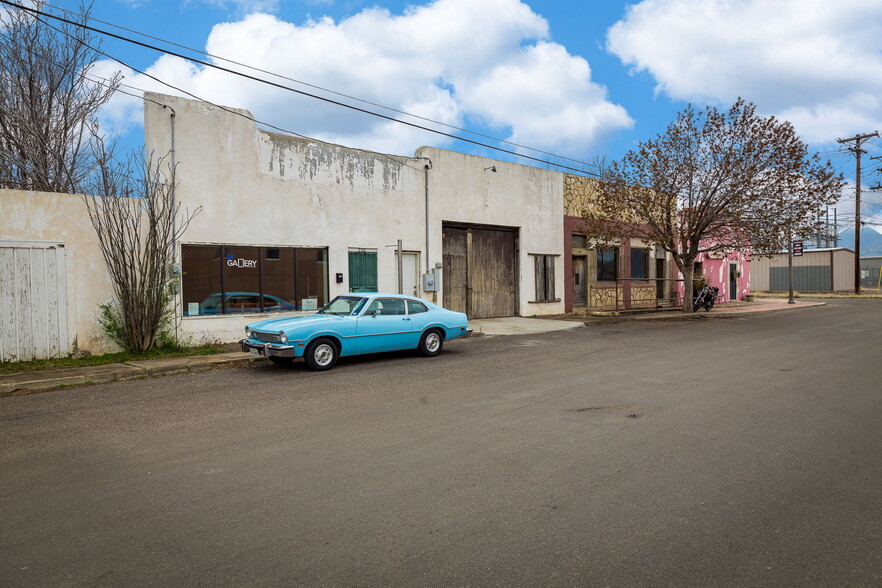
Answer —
26 383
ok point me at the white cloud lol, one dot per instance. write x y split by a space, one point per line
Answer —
241 6
456 61
814 62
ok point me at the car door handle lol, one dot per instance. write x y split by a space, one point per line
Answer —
407 318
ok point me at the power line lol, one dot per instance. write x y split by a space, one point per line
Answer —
295 90
857 140
323 89
106 82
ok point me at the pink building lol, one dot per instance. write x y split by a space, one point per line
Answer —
728 272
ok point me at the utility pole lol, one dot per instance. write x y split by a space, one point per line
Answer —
858 139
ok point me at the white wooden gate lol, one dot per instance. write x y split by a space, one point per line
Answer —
33 301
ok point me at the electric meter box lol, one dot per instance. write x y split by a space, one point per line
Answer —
429 283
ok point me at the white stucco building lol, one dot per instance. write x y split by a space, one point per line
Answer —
286 223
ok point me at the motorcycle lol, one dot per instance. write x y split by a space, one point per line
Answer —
705 298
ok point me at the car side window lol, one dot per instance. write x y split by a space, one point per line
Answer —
414 307
386 307
394 306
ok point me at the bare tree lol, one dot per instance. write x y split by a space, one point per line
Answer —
47 101
133 211
714 181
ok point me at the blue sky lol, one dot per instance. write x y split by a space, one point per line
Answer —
576 78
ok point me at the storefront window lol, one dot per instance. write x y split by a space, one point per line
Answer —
607 264
230 279
640 263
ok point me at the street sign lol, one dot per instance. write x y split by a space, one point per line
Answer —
797 248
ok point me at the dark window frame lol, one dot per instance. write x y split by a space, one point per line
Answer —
265 298
607 270
645 268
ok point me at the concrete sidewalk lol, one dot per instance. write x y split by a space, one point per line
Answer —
727 310
48 379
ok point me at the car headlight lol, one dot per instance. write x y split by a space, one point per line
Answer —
283 338
248 333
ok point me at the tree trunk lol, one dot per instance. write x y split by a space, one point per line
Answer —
687 268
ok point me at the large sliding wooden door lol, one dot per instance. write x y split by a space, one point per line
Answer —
480 270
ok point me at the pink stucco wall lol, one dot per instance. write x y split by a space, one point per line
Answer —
716 272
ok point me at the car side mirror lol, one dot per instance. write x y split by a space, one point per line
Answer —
375 313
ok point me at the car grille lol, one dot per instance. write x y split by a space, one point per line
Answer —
265 337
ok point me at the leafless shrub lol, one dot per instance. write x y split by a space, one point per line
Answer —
133 210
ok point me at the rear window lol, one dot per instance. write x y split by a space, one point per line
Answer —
414 307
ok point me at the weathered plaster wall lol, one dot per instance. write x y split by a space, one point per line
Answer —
462 190
269 189
262 188
63 218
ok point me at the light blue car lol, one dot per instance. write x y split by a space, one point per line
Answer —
355 324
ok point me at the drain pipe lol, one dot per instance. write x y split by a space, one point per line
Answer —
426 168
179 304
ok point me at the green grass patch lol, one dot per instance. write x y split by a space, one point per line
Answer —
107 358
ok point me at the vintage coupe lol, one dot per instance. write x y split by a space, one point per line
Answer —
354 324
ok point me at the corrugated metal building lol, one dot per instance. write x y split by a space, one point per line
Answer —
818 270
870 270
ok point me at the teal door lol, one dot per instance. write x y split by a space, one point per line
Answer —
362 271
385 326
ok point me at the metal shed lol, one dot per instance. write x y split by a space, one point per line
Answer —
817 270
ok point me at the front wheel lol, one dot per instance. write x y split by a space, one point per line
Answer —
431 343
321 355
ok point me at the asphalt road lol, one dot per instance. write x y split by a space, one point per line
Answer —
737 452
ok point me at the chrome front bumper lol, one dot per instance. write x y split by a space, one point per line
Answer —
266 349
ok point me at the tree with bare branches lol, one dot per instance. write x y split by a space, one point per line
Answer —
48 101
714 182
133 210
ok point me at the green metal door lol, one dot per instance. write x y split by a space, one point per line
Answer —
362 271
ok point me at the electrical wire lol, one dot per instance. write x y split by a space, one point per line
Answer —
323 89
294 90
397 160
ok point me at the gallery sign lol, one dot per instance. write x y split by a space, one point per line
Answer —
234 261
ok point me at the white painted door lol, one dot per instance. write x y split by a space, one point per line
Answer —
410 263
33 301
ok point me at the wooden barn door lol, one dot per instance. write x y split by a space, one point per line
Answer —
480 271
33 301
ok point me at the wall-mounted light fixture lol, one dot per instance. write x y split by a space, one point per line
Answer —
491 168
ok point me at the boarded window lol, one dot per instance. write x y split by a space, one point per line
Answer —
362 271
544 265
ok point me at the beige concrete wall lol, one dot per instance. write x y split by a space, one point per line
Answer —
63 218
461 190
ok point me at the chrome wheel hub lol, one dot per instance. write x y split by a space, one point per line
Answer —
323 354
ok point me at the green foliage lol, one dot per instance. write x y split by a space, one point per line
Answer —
120 331
111 323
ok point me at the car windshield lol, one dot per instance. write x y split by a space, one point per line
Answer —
343 305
